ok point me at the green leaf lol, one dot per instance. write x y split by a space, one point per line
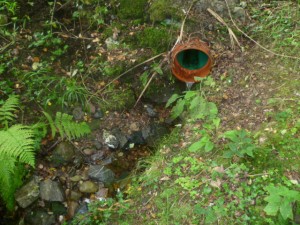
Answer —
178 108
286 210
171 100
158 70
231 135
196 146
51 123
271 209
209 146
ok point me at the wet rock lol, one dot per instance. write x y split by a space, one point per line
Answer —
107 161
39 217
137 138
101 173
51 191
98 114
77 113
154 132
98 145
110 140
75 196
122 139
72 207
99 155
58 208
63 154
88 187
30 192
150 111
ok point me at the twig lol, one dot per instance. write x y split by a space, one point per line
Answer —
52 14
179 39
148 83
251 39
127 71
232 36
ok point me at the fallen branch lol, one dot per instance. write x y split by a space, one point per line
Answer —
232 36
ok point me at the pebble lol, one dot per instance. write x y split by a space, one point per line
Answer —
88 187
88 151
75 178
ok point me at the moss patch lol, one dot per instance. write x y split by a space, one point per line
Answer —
132 9
158 39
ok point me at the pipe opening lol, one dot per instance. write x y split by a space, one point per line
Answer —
192 59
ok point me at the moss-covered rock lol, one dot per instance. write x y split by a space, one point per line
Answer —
129 9
158 39
161 10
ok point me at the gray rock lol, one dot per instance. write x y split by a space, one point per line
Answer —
150 111
110 140
154 132
98 114
99 155
88 187
82 209
137 138
122 139
63 154
75 196
77 113
51 191
101 173
39 217
98 145
102 193
27 194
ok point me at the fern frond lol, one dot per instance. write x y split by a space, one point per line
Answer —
51 124
18 142
7 109
65 126
10 179
7 166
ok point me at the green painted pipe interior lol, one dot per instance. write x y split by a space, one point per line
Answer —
192 59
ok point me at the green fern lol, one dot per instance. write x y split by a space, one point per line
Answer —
7 109
16 150
64 125
18 142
